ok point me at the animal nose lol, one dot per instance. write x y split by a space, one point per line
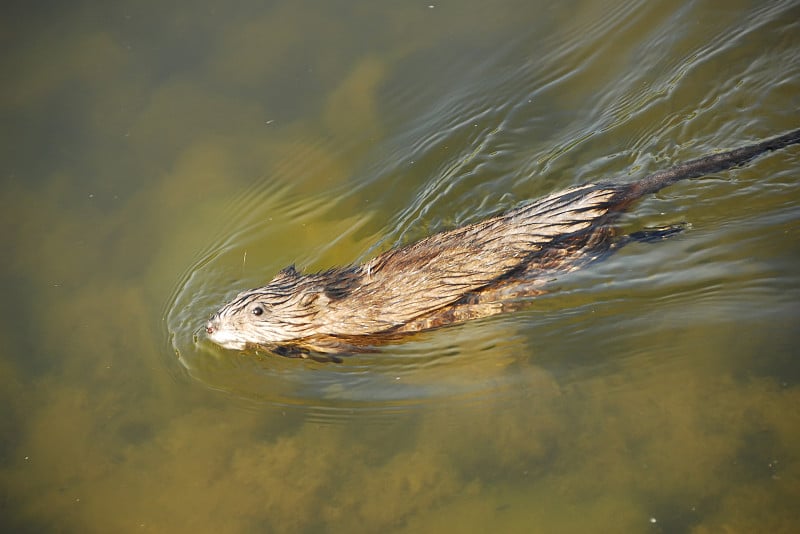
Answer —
210 327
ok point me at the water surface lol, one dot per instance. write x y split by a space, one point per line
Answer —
157 160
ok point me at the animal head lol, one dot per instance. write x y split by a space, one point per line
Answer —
280 312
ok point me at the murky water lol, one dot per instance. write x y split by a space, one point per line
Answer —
156 160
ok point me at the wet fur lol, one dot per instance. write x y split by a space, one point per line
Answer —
465 273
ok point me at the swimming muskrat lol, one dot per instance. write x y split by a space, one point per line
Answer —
465 273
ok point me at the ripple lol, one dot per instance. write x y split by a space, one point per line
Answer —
512 125
465 363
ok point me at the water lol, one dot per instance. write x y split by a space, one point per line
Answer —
157 160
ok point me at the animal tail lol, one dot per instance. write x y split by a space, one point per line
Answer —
710 164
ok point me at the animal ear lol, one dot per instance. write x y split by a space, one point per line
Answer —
312 297
289 271
308 298
287 274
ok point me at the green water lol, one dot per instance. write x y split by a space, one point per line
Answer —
157 159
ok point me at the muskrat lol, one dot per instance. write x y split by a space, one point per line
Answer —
472 271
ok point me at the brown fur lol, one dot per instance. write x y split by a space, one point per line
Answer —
465 273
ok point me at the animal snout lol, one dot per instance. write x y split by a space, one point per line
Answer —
211 326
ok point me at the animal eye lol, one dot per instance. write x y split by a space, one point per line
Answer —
258 310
